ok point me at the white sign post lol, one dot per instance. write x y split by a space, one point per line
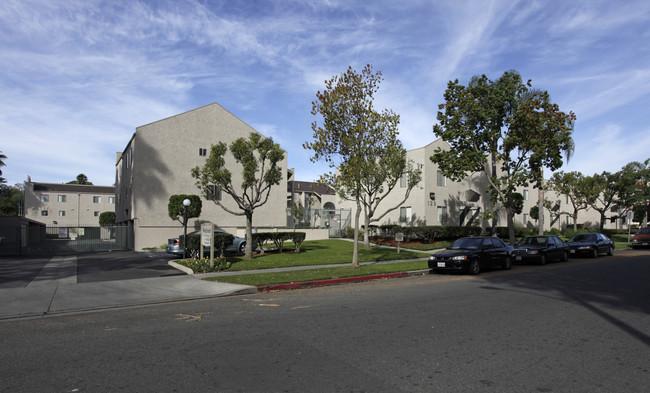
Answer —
207 238
399 237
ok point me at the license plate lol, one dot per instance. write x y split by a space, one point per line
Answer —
644 244
572 251
441 264
518 258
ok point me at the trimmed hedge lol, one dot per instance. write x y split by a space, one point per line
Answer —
193 250
278 238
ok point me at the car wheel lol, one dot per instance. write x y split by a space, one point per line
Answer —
542 260
595 254
507 264
474 267
565 257
242 248
610 252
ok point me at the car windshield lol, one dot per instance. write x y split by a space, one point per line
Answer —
467 243
584 237
533 241
644 231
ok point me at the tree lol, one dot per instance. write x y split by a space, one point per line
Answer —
176 209
505 129
635 193
602 193
81 179
575 187
11 200
107 219
359 144
260 159
2 163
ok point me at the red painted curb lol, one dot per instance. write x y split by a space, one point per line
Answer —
331 281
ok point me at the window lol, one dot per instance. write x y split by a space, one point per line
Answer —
43 212
569 220
96 214
111 200
61 213
62 198
442 214
405 213
442 181
203 152
525 195
214 193
45 197
403 181
97 199
525 218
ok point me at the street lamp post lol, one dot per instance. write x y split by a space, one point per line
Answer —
186 204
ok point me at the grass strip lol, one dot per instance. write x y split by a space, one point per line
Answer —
319 274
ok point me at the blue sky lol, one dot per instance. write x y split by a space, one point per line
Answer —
78 76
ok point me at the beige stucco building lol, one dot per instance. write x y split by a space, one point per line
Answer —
67 205
440 201
157 162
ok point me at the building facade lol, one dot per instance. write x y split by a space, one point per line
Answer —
440 201
157 163
67 205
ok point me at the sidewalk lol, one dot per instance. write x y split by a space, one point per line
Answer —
55 291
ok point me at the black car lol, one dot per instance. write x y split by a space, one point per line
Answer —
590 244
541 249
471 254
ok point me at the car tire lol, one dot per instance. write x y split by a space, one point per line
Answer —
565 256
610 252
542 260
595 253
474 268
507 265
242 248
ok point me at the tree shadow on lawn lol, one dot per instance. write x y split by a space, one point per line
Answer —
615 284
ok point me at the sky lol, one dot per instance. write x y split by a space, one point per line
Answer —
78 76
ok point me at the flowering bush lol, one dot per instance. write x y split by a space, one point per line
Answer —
203 265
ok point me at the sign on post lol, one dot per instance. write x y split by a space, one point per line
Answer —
207 238
399 237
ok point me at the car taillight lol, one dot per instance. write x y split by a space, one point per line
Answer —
176 242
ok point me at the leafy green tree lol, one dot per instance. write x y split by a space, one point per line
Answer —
360 145
297 212
602 194
575 187
11 200
81 179
176 209
260 159
634 191
107 219
505 129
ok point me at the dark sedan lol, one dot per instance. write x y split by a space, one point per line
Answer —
471 255
541 249
591 244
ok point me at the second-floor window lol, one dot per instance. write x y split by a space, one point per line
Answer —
97 199
61 213
525 195
62 198
214 193
442 181
203 152
111 200
442 214
45 197
405 213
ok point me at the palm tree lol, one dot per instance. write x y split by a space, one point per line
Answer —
2 163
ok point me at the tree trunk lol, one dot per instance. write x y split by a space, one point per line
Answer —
540 211
511 225
366 232
575 221
249 236
355 249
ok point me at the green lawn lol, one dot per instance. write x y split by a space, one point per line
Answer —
320 252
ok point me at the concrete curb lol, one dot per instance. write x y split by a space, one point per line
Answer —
180 267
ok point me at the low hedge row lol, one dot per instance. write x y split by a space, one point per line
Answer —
193 250
278 238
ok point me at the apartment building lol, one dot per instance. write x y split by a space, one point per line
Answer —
157 162
67 205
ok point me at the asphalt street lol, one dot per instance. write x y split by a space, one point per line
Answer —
581 326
